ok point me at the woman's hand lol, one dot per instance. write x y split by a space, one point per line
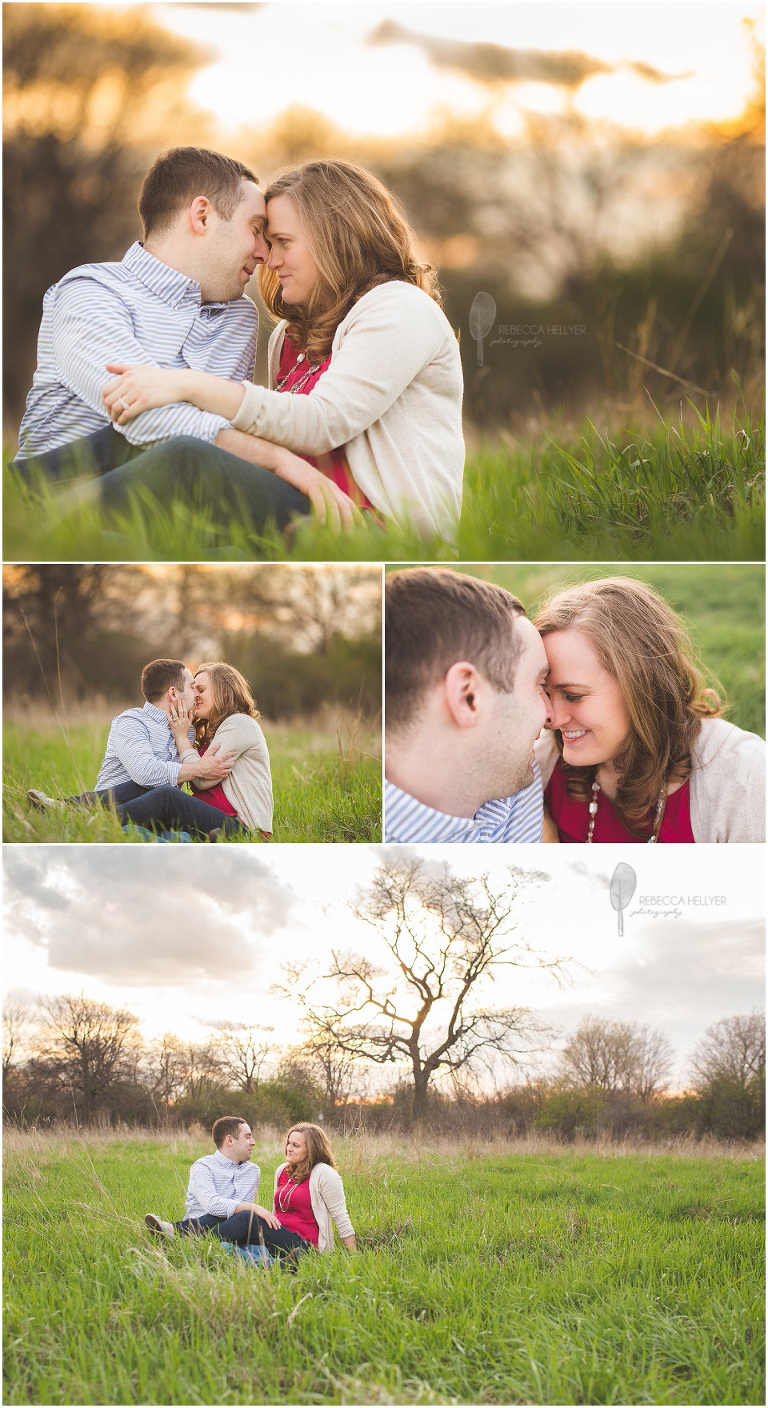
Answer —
329 503
139 387
180 719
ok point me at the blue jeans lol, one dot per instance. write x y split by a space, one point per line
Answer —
243 1228
166 808
180 468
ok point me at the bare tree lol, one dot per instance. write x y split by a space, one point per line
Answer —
731 1050
338 1072
447 938
166 1069
617 1056
91 1046
17 1023
243 1053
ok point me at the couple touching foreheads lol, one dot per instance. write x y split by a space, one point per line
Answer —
144 366
590 724
198 729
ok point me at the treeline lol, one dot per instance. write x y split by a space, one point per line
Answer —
83 1063
302 637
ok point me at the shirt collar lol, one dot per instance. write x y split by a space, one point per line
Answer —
444 827
155 713
163 281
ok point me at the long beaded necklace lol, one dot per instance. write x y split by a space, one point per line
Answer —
285 1194
659 813
311 368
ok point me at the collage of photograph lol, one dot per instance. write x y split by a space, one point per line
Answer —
383 479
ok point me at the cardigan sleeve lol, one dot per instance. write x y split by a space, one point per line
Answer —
332 1192
384 342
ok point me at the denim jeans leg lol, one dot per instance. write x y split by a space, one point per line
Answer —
222 484
168 808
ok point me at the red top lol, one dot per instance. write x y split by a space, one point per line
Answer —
571 816
215 796
293 1206
299 378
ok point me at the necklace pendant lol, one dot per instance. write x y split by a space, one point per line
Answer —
300 358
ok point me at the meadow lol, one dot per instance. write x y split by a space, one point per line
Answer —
486 1273
326 780
694 491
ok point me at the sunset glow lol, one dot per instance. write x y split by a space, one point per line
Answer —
320 57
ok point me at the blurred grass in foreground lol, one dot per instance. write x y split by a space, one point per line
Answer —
693 493
497 1273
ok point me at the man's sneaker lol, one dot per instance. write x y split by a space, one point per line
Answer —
42 800
156 1224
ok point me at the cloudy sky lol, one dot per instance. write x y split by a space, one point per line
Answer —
185 945
654 65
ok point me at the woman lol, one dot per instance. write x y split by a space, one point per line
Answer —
364 367
225 714
309 1194
639 751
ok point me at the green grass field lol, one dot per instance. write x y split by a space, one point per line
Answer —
688 492
485 1274
326 787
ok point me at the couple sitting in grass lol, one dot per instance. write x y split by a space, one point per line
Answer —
144 366
201 729
308 1194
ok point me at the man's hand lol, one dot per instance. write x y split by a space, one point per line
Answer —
141 387
215 763
269 1217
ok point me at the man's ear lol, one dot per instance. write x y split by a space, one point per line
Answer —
462 689
199 213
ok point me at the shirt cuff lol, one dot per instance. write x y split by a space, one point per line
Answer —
210 425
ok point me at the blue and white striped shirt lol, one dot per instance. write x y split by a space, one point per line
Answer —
217 1185
140 748
139 310
516 818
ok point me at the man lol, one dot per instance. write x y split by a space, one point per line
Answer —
142 771
221 1192
177 300
464 704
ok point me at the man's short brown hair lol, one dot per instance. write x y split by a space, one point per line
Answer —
160 675
182 173
224 1125
435 617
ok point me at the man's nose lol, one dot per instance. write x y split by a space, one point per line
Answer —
260 249
557 714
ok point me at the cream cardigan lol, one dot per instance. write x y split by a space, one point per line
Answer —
727 782
326 1194
249 785
391 397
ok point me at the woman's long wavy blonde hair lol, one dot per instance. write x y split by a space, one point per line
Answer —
645 646
359 237
318 1150
231 695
